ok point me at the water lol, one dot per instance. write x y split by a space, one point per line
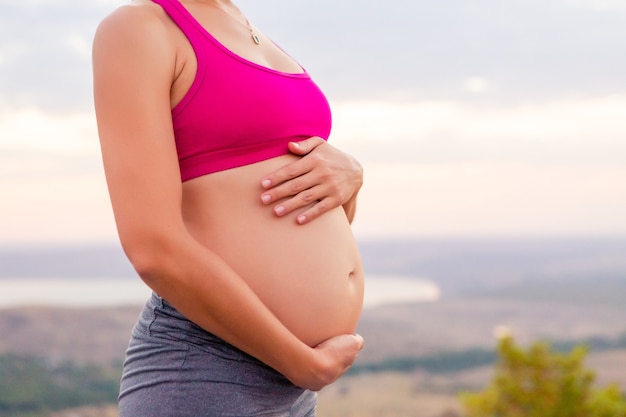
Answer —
389 290
72 292
110 292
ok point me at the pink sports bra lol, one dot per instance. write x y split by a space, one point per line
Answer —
238 112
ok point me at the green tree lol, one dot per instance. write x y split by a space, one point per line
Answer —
31 386
539 382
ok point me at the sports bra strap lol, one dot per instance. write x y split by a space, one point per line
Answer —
237 112
185 22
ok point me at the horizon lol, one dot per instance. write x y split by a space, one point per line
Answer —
114 243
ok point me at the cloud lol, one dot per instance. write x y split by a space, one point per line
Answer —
581 132
36 145
399 50
476 85
431 168
45 54
79 44
32 129
482 117
54 209
603 5
491 199
417 50
11 51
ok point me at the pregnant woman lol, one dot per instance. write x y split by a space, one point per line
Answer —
231 207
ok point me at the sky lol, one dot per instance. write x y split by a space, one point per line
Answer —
470 118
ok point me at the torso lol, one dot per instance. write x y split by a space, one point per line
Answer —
310 275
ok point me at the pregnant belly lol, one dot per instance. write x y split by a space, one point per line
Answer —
310 275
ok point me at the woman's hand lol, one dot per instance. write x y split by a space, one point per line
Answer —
324 176
331 359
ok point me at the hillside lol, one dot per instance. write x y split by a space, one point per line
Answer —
559 289
100 335
422 330
417 355
90 335
457 265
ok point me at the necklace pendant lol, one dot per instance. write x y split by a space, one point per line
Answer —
255 38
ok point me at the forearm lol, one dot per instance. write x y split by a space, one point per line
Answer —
207 291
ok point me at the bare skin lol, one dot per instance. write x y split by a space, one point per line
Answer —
329 178
143 66
310 277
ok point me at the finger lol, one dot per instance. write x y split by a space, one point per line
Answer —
328 196
286 173
293 191
359 344
302 199
327 193
291 180
316 210
359 340
350 346
305 146
306 197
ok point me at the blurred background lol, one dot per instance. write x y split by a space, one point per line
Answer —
493 140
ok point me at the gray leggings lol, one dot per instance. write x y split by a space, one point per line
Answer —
174 368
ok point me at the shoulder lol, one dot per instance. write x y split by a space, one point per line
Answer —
137 15
134 53
137 26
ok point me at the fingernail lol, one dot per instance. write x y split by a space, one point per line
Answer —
266 183
266 198
296 144
279 210
301 219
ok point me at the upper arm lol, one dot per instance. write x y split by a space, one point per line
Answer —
133 66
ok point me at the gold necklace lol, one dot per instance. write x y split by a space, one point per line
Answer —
253 35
